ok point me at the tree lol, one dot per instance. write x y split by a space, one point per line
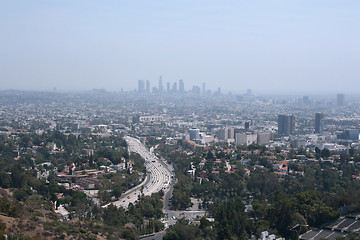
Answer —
20 194
230 220
180 200
352 151
116 192
172 235
5 180
263 184
182 230
114 216
209 155
317 153
325 153
280 213
2 228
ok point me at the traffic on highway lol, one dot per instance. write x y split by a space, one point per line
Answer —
159 174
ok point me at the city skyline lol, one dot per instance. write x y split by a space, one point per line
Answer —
180 119
126 153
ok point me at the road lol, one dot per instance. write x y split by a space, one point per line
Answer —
154 236
159 174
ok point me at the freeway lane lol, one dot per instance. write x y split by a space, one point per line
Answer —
159 174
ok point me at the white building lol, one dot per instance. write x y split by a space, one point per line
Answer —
265 236
225 134
245 138
263 138
231 133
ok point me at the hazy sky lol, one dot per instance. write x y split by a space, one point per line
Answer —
300 46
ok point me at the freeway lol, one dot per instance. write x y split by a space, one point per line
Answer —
159 174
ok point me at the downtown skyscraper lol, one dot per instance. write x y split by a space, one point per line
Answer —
286 124
161 86
141 86
319 123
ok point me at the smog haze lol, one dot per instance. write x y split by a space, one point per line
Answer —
268 46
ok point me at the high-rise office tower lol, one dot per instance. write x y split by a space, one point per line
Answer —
203 89
352 134
181 86
174 87
161 87
223 134
238 130
141 86
194 134
341 99
167 87
319 123
147 86
219 91
196 90
248 92
286 124
349 134
247 125
306 100
231 133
